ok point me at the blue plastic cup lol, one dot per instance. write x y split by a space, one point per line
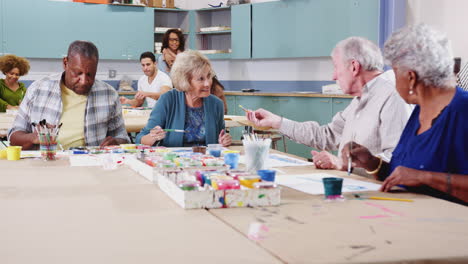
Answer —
332 187
232 159
267 175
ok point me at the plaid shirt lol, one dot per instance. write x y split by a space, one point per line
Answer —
43 100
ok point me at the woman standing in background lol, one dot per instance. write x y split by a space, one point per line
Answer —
12 91
173 44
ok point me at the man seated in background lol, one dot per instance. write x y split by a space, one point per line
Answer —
89 109
375 117
151 85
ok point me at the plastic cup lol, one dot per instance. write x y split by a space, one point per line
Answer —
332 187
108 162
267 175
215 150
231 158
14 152
48 152
256 154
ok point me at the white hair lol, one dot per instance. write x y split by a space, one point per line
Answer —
423 50
362 50
186 65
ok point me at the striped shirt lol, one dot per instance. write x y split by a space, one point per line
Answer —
463 78
103 114
374 120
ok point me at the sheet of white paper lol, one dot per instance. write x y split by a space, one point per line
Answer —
84 160
278 160
312 183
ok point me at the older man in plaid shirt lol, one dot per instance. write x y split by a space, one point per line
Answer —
89 109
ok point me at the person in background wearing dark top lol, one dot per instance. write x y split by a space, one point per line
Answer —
12 91
173 44
432 154
217 89
89 109
190 108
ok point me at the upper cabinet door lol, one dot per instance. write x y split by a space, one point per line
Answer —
37 28
310 28
48 27
241 31
119 32
2 22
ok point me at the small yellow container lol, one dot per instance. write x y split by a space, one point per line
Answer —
13 152
3 154
128 146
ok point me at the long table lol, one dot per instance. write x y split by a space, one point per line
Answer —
133 122
52 213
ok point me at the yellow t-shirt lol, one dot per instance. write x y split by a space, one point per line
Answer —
73 117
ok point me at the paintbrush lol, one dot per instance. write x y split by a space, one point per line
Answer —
243 108
175 130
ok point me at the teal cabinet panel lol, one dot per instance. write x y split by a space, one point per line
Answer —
48 27
231 105
2 26
310 28
45 28
303 109
241 31
339 104
119 32
270 103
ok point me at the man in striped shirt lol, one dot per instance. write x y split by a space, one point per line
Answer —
89 109
375 117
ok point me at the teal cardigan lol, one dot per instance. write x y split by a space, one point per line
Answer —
169 112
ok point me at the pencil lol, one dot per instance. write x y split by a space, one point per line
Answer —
389 199
381 198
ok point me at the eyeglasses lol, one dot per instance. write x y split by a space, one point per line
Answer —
173 40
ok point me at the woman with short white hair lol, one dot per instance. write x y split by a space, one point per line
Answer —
432 154
190 109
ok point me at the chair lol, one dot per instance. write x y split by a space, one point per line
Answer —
275 136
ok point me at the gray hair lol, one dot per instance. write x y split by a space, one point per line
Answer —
362 50
83 48
186 65
423 50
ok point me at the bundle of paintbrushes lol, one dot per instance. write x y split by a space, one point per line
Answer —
256 151
47 134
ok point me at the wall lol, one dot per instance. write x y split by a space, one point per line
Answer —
447 16
444 15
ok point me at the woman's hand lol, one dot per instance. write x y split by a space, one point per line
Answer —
157 133
403 176
224 139
360 156
264 118
325 160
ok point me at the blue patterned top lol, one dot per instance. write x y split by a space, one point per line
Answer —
195 126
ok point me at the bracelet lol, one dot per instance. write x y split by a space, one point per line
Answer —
378 167
449 183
